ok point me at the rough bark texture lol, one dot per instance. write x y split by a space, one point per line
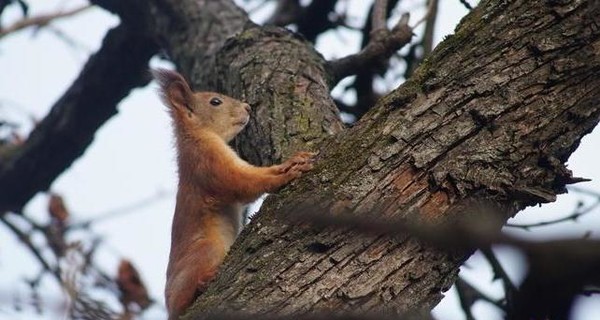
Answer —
284 80
279 74
491 117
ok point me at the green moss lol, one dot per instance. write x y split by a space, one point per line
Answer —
247 34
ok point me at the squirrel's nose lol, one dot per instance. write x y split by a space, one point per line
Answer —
247 107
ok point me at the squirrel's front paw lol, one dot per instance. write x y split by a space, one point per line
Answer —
298 169
301 161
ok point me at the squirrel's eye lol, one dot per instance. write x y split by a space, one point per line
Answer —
215 101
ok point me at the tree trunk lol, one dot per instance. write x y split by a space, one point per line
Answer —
490 117
281 76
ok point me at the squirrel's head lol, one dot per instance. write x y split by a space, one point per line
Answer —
191 110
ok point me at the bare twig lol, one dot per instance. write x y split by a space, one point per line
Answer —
413 58
468 295
572 217
466 4
68 40
25 238
432 13
69 263
510 290
584 191
499 272
382 45
41 20
478 233
118 212
363 83
474 233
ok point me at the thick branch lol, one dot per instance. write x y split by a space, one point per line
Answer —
490 117
108 76
192 33
379 15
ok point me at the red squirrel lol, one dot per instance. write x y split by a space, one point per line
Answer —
214 184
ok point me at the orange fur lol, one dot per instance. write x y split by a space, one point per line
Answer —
214 184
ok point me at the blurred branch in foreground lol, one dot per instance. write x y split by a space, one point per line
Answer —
549 287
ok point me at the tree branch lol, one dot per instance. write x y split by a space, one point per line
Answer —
581 257
363 84
286 12
36 252
382 45
379 16
119 66
549 288
413 58
466 4
40 21
571 217
431 17
510 290
311 20
458 132
468 295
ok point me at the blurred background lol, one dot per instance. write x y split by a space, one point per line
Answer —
122 189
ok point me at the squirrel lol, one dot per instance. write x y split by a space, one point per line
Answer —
214 184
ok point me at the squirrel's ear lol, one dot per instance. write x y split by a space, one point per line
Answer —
174 90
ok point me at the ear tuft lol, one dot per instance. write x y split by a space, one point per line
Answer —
173 89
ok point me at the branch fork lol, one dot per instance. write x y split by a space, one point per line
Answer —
382 45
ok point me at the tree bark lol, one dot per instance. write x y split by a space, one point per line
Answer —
490 117
278 73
